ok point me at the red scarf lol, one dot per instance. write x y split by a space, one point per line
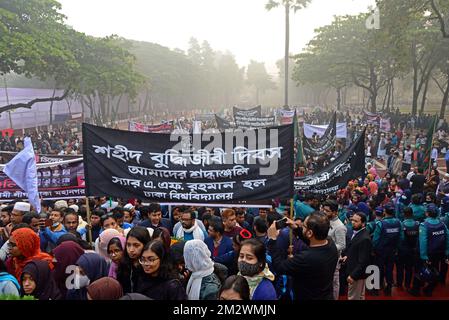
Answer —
29 245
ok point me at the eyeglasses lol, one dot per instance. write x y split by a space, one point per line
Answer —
147 262
115 253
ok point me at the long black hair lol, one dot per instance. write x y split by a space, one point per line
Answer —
117 242
238 284
126 265
259 251
166 270
141 234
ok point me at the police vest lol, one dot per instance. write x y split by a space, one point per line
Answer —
436 238
411 234
390 233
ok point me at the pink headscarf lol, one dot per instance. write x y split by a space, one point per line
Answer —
373 171
114 266
104 239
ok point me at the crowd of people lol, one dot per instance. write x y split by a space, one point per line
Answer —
400 148
61 140
323 249
132 249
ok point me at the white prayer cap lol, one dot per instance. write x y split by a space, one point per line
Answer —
61 204
128 206
22 206
109 206
75 207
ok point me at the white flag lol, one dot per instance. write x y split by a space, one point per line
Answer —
196 127
22 170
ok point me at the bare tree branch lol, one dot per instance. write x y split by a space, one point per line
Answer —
441 87
29 104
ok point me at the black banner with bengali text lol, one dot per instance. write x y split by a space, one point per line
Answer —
249 165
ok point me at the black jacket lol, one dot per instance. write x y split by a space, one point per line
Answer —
160 289
128 276
358 251
312 270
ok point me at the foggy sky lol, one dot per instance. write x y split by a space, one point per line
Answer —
243 27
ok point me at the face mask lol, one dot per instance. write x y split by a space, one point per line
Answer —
83 281
247 269
54 225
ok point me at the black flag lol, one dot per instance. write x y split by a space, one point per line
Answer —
222 123
349 165
326 142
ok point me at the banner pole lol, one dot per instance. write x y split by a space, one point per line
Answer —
431 147
304 161
291 230
89 231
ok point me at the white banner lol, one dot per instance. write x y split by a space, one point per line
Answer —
309 129
286 116
385 125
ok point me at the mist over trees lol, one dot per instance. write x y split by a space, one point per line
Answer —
403 63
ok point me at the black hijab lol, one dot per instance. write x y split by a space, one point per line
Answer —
46 288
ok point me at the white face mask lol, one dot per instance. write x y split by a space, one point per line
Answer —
83 281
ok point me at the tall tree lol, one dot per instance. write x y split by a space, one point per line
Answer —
289 5
194 51
345 50
318 66
231 79
258 77
209 67
33 42
440 9
410 23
